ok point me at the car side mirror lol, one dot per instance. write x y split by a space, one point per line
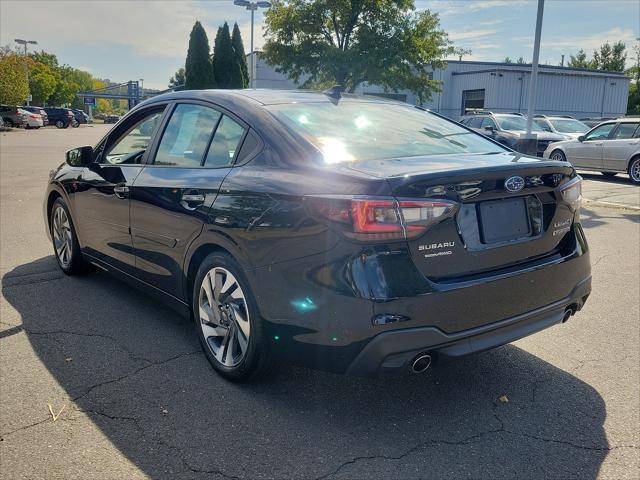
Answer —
489 128
581 138
80 157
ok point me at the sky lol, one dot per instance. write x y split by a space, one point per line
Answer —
128 40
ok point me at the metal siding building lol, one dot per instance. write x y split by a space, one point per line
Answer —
501 87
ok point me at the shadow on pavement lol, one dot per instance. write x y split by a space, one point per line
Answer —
590 218
620 178
138 374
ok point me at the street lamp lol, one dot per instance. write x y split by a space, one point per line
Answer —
252 6
19 41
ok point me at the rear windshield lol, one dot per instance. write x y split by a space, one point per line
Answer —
352 131
569 126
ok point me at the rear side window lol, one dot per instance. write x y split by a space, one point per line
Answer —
624 130
187 136
225 143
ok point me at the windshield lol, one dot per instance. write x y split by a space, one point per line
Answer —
515 122
352 131
569 126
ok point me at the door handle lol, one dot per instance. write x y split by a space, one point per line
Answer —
193 198
121 191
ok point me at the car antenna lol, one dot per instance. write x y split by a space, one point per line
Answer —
335 93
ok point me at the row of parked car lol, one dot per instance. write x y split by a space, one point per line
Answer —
610 146
36 117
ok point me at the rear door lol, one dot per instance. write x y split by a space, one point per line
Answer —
588 153
618 149
171 197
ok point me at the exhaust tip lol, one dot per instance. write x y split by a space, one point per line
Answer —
571 310
421 363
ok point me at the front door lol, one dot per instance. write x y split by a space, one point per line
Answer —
172 195
623 143
101 198
588 153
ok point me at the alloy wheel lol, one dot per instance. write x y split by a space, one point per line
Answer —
634 170
61 230
557 156
224 317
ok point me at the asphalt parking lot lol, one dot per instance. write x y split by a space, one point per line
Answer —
133 397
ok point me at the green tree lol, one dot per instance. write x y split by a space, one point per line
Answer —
610 57
507 60
579 60
198 71
347 42
14 88
633 105
521 61
241 58
178 80
225 65
42 83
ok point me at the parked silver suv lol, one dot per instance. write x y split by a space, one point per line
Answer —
562 125
611 147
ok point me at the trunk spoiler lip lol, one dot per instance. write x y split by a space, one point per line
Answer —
518 164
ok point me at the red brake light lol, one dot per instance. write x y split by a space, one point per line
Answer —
383 218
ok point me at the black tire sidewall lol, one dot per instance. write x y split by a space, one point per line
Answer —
257 351
77 263
631 164
59 124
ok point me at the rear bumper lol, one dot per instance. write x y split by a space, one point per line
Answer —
394 350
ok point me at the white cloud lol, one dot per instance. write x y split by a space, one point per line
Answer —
587 42
458 7
471 34
149 28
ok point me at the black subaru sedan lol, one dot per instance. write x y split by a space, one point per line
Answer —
346 233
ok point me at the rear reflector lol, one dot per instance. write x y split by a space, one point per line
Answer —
371 218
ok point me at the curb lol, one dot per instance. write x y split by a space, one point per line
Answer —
622 206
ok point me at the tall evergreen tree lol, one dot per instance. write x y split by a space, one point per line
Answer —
198 71
226 68
241 58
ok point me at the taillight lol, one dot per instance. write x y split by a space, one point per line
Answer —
370 219
572 193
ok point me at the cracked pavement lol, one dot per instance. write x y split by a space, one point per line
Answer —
140 400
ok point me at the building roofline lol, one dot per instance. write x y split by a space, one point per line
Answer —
514 66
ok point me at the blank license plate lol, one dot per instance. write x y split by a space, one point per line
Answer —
504 220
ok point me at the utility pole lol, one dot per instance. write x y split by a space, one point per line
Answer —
562 61
19 41
530 144
252 7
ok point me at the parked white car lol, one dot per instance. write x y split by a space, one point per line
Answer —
611 147
562 125
33 120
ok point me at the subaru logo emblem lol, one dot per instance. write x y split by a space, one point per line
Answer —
514 184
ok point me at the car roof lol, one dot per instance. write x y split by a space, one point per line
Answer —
270 96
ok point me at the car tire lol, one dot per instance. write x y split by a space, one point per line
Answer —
558 155
59 124
609 174
66 247
634 170
227 320
75 124
8 123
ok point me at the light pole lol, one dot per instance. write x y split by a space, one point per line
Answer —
530 139
251 6
19 41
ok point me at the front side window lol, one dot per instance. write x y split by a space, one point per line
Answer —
488 122
132 144
187 136
600 132
352 131
624 131
225 143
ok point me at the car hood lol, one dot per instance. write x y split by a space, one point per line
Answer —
553 137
